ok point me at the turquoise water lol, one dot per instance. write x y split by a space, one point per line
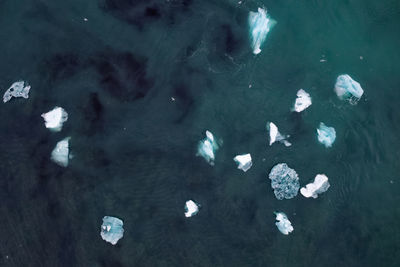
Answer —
134 148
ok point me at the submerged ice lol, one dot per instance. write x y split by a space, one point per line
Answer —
283 223
284 181
276 136
303 101
17 89
191 208
260 24
60 154
112 229
319 186
55 119
244 162
326 135
207 148
348 89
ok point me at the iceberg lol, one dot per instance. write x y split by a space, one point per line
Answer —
60 154
326 135
17 89
303 101
244 162
319 186
283 223
207 148
284 181
112 229
191 208
275 135
260 24
348 89
55 119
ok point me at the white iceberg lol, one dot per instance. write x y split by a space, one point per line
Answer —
112 229
348 89
275 135
55 119
284 181
17 89
191 208
303 101
326 135
207 148
260 24
244 162
60 154
283 223
319 186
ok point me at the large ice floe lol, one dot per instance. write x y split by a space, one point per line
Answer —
191 208
348 89
55 118
284 181
112 229
283 223
17 89
244 162
319 186
60 154
207 148
260 24
275 135
303 101
326 135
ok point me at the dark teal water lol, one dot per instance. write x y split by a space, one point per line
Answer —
134 149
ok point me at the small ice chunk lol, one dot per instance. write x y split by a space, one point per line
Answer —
112 229
60 154
207 148
260 24
348 89
275 135
326 135
303 101
55 119
191 208
283 223
244 161
319 186
284 181
17 89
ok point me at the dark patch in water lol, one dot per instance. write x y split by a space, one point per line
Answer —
93 114
63 66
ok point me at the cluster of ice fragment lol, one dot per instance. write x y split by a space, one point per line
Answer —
284 181
244 162
303 101
207 148
191 208
55 119
60 154
348 89
326 135
260 24
275 135
319 186
283 223
17 89
112 229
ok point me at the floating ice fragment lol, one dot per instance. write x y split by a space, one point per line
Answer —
112 229
284 181
207 148
319 186
17 89
55 118
348 89
244 161
283 223
191 208
275 135
60 154
326 135
303 101
260 24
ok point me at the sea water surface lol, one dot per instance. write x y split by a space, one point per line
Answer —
143 80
